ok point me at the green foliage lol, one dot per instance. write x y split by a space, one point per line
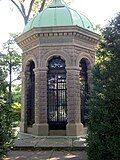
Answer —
104 115
10 61
16 110
10 65
16 94
5 115
11 57
36 6
16 102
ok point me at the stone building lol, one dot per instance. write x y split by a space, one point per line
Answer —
59 46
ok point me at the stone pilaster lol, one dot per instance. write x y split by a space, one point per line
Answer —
74 126
40 127
23 124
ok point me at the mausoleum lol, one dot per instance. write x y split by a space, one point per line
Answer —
58 52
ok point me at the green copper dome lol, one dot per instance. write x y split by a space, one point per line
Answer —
59 14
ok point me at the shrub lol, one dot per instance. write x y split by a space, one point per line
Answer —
104 115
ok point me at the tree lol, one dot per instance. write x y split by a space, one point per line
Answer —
5 114
20 4
11 62
10 67
34 5
104 115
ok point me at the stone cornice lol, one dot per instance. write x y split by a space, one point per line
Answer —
74 31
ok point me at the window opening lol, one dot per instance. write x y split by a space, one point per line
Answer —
84 91
30 94
57 94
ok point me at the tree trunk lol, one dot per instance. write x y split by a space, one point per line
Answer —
42 5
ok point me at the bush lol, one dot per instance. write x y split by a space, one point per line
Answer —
5 127
5 116
16 110
104 115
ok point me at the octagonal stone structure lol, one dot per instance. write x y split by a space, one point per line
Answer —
39 45
71 44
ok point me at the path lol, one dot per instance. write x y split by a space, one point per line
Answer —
46 155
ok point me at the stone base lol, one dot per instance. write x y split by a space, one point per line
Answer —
74 129
40 129
57 132
23 127
29 130
29 141
85 130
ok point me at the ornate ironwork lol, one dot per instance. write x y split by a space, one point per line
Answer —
57 96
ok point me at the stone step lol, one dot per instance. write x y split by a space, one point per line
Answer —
27 141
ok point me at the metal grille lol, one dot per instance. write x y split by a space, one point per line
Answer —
84 91
30 94
57 98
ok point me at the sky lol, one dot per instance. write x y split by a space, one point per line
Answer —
98 11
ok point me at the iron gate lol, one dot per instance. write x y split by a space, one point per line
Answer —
57 98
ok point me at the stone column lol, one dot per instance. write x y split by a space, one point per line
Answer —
40 127
23 124
74 126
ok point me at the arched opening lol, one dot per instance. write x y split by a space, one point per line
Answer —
84 90
30 93
56 94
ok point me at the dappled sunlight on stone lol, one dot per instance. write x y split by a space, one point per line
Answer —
70 156
55 158
46 155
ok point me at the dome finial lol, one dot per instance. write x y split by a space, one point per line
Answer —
56 3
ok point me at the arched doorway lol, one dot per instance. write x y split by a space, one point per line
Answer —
30 93
57 94
84 90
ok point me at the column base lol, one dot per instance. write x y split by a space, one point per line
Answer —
40 129
74 129
23 127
